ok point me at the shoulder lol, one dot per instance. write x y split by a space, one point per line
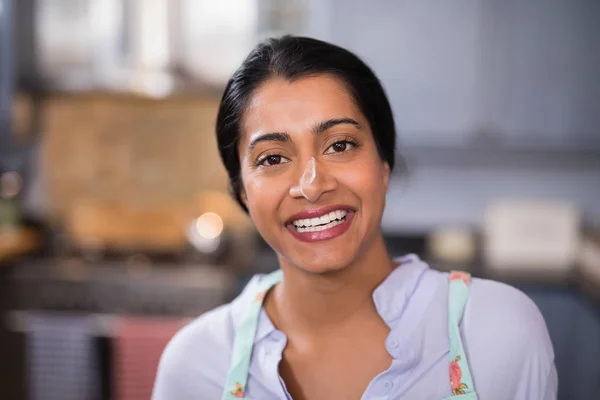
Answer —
506 338
504 335
497 313
508 315
209 333
196 360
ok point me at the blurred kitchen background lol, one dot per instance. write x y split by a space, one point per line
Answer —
115 223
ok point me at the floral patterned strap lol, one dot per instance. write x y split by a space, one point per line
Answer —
237 377
461 381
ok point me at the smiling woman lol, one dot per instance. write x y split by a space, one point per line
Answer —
307 151
307 135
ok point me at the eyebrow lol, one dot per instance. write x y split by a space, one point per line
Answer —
317 129
270 137
330 123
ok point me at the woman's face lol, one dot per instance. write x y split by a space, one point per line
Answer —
313 181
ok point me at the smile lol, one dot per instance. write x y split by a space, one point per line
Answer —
321 224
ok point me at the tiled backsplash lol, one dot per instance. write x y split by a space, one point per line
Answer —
129 150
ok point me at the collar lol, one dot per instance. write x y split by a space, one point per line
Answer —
391 296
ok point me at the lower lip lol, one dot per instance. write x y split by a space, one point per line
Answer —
326 234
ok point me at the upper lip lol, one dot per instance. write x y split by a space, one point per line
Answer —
317 212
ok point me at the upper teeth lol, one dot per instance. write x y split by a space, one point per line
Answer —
324 219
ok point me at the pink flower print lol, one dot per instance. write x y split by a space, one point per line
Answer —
455 376
460 276
238 391
260 296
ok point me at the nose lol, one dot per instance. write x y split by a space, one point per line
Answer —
314 180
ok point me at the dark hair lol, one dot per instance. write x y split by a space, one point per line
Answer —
292 58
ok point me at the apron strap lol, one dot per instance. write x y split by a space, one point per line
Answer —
461 381
237 377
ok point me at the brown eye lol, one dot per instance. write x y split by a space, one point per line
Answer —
340 146
273 159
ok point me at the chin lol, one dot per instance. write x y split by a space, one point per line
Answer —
323 263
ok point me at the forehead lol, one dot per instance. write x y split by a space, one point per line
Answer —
281 105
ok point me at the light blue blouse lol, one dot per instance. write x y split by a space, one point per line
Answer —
505 338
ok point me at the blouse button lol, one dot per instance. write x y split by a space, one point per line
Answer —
388 385
393 343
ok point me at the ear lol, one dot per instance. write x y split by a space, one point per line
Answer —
244 197
386 175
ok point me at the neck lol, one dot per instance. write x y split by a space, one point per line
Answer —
314 303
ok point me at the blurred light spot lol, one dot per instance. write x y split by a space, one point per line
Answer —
209 225
10 184
204 233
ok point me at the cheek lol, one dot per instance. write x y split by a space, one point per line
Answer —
365 179
263 197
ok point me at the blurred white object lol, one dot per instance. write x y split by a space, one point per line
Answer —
452 244
64 37
216 36
150 54
150 34
78 41
532 235
135 45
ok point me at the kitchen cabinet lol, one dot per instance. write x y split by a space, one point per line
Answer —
522 73
541 65
427 55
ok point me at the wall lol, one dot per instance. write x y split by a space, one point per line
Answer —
434 195
457 179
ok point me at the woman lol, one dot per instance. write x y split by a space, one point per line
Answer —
307 136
